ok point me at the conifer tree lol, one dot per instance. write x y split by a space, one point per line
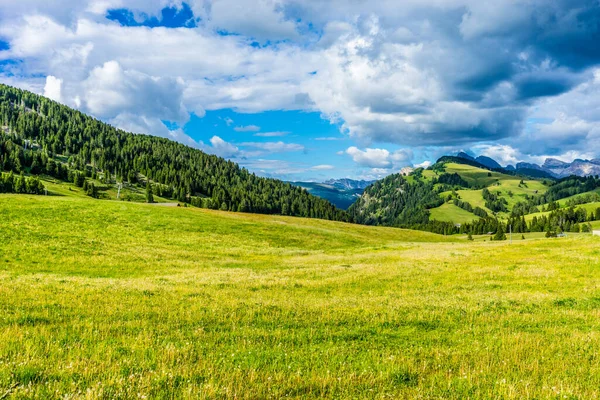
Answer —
149 195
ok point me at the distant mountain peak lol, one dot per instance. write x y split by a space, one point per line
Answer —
552 167
488 162
462 154
346 183
554 163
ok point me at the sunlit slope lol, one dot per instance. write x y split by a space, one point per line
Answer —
506 186
86 236
448 212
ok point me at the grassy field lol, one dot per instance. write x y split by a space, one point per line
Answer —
448 212
114 300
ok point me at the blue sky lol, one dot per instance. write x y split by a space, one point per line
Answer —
311 90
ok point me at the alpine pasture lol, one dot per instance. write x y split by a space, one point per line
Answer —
108 300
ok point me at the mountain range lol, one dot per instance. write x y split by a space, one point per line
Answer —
551 168
339 192
348 184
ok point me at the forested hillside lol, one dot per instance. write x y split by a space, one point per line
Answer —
458 195
39 136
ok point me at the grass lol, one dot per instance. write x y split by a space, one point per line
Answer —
109 300
448 212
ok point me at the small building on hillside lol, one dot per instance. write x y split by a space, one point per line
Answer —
596 233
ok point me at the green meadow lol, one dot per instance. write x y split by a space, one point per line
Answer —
118 300
448 212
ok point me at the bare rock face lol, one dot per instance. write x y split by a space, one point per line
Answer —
578 167
554 163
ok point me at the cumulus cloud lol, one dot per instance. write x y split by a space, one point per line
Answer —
375 158
379 158
222 148
110 90
153 126
424 164
53 88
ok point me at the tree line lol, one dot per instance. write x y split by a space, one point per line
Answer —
9 183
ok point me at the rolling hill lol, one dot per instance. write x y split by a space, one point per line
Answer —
459 194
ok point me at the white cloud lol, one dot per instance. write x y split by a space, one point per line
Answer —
274 147
249 128
424 164
110 90
380 158
271 134
222 148
322 167
53 88
503 154
375 158
152 126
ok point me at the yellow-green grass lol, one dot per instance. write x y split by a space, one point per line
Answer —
473 197
110 300
448 212
482 177
429 174
526 236
595 224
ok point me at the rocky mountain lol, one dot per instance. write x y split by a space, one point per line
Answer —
552 168
348 184
577 167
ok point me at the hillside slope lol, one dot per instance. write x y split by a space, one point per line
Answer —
39 136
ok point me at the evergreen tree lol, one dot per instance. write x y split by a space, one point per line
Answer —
149 195
500 234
